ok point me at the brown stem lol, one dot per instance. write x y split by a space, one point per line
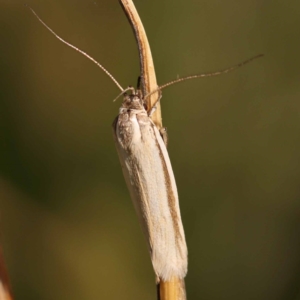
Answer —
175 288
148 76
171 290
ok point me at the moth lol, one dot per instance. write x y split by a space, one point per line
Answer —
149 176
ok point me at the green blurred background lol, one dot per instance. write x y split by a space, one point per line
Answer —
68 228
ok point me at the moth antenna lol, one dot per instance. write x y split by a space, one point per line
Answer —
77 49
130 88
204 75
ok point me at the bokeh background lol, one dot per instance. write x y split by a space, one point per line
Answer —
68 228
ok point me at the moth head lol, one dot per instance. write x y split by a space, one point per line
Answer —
133 100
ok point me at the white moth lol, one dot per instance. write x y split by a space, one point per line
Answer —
151 183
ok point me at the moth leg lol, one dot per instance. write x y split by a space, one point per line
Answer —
152 110
164 134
